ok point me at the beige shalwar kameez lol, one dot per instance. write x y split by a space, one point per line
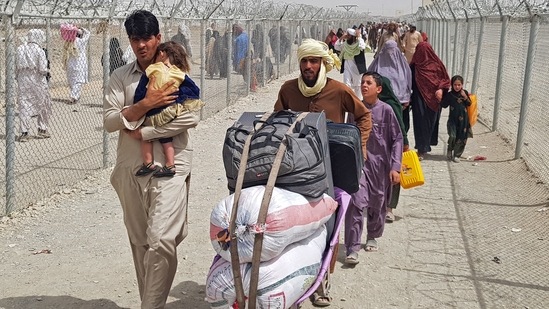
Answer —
410 42
155 209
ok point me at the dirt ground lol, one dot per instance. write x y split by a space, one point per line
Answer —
476 235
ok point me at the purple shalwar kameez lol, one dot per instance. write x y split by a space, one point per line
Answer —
384 155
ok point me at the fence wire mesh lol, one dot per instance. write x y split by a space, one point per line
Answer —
468 34
78 144
500 48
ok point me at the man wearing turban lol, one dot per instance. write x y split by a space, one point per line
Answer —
351 47
313 91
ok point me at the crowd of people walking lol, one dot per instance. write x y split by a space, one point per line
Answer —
405 80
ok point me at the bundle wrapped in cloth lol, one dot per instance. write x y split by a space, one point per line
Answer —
291 217
282 280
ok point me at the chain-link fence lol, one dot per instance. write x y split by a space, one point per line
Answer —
500 48
36 167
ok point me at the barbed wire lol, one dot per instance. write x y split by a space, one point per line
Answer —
464 9
187 9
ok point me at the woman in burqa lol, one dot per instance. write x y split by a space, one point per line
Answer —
430 81
116 53
391 63
257 41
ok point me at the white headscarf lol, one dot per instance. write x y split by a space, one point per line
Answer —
36 36
28 55
314 48
184 29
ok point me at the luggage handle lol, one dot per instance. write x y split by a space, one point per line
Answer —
233 247
281 114
263 211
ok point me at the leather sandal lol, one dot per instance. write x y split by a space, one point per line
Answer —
165 171
146 169
321 301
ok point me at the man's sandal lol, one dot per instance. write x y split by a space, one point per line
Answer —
146 169
165 171
371 245
390 217
321 301
352 259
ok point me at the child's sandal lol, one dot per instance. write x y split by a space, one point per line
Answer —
146 169
165 171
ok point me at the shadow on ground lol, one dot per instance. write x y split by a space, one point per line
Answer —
190 295
57 302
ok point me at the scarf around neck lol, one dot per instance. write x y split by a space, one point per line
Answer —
349 51
318 86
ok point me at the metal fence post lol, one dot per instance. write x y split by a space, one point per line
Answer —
292 38
229 60
106 76
478 56
454 56
264 53
48 36
466 50
501 59
202 63
278 48
441 38
10 114
248 60
534 29
88 53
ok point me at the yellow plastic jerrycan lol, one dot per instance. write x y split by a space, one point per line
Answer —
411 174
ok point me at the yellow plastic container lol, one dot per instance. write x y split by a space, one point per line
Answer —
411 174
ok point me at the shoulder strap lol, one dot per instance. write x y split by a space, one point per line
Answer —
235 259
263 211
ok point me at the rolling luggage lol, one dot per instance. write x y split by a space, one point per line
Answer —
345 155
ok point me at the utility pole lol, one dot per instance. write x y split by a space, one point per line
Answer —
347 7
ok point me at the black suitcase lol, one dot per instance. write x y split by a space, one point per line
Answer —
345 155
307 184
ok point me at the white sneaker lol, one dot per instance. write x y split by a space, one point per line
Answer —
456 160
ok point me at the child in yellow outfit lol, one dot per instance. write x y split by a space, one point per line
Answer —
171 65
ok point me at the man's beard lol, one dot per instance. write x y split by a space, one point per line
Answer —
309 82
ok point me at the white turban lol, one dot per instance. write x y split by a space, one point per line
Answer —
351 32
36 36
314 48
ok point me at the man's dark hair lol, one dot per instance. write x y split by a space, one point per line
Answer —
375 75
141 24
